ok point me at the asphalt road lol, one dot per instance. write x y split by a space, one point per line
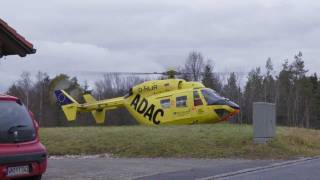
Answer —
122 168
306 169
98 168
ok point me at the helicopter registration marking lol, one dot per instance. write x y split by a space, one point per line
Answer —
143 108
148 88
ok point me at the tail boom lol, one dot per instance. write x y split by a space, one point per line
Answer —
98 109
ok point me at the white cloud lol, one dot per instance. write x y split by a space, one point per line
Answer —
75 59
143 35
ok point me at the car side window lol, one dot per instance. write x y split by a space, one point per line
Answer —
196 99
165 103
181 101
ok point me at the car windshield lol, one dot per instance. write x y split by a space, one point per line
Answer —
211 96
15 123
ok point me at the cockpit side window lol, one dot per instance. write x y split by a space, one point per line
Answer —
196 99
165 103
181 101
211 96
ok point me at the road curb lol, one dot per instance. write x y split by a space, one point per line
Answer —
262 168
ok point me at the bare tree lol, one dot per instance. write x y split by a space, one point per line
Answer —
194 66
25 83
40 88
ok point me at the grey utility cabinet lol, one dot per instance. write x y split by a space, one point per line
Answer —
264 122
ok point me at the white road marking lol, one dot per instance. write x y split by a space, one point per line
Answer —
260 169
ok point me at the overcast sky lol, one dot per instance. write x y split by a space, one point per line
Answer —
72 36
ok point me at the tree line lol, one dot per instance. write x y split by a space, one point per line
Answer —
295 91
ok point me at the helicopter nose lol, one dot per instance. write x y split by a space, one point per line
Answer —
227 114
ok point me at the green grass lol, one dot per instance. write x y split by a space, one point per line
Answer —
190 141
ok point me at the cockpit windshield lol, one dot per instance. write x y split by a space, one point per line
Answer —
211 96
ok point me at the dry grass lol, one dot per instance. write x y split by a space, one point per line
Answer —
196 141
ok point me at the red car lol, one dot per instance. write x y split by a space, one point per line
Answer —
22 156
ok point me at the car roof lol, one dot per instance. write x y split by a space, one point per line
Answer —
4 97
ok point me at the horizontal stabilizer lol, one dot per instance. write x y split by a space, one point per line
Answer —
99 114
89 98
70 111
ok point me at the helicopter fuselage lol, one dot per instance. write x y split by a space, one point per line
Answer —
158 102
174 101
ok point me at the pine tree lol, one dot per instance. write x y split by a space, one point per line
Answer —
210 79
269 83
253 93
232 91
284 94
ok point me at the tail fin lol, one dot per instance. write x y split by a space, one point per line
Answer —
63 98
68 104
99 114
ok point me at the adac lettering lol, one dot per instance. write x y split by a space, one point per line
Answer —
148 111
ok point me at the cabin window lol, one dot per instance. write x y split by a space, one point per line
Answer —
196 99
181 101
165 103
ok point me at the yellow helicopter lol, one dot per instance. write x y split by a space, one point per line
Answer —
157 102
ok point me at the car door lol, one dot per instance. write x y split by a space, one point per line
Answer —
199 109
182 109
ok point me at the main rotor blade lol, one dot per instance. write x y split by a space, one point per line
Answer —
158 73
123 73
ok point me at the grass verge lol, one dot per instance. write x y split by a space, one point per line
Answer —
190 141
